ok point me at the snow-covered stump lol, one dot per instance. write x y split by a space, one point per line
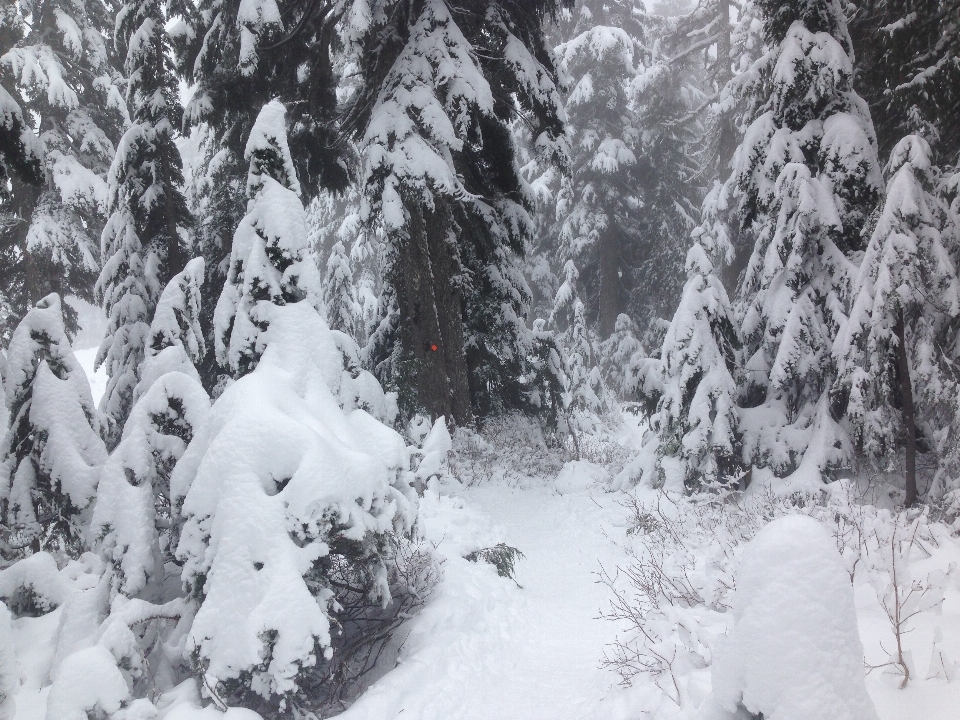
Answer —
293 497
794 652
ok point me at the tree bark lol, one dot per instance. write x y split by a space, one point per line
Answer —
909 419
431 327
609 283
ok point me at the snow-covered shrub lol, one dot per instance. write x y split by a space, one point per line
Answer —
52 452
292 500
134 525
794 650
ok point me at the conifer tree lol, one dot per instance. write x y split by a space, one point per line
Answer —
145 239
339 292
62 71
634 135
52 452
907 297
441 180
697 418
805 181
271 262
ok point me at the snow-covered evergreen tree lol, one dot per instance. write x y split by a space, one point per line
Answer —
52 452
134 525
20 151
805 181
145 238
631 192
441 179
697 418
340 293
59 65
907 297
270 262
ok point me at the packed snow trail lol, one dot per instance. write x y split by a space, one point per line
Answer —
524 654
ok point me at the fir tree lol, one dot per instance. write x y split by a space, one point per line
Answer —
52 452
270 262
697 418
144 241
238 56
63 71
339 292
633 134
804 184
907 298
441 180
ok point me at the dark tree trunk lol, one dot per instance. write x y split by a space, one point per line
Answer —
609 283
909 419
450 352
431 328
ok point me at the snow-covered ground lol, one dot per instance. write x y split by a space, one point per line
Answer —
485 648
489 648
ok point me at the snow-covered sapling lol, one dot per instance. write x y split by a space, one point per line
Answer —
697 415
291 499
904 596
907 299
52 452
270 262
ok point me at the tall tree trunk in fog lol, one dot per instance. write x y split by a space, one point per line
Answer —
609 300
909 417
431 326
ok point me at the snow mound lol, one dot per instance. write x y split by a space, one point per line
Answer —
579 476
794 652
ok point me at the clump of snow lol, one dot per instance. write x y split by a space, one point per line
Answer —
579 476
794 652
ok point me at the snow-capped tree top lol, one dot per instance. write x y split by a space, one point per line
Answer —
812 68
268 152
41 335
599 44
176 321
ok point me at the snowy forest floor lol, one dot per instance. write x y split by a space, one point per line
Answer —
486 647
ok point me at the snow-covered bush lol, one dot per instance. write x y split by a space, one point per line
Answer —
52 452
292 499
